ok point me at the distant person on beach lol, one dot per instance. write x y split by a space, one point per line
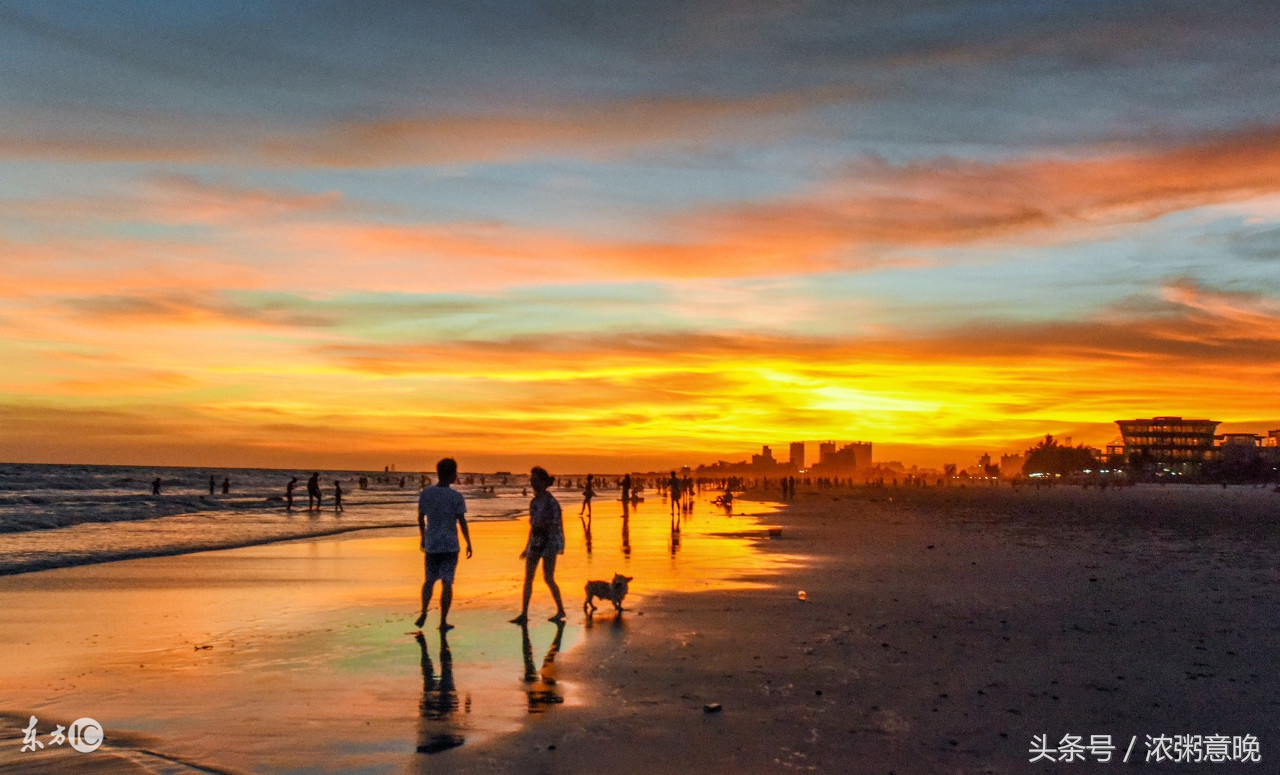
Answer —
337 497
546 542
626 488
211 485
155 486
673 484
226 485
288 493
441 512
588 492
313 492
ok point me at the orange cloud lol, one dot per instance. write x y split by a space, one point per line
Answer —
947 202
598 129
858 220
865 218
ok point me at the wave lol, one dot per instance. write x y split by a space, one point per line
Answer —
59 516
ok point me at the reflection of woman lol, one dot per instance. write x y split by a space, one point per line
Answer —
541 685
546 541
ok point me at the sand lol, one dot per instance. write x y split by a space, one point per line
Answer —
942 630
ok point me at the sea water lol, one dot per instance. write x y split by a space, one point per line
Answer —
61 515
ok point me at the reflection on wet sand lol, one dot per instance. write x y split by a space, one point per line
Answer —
626 529
541 685
616 624
675 535
436 731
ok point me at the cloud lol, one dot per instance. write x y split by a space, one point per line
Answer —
946 202
592 130
588 129
179 308
174 199
871 214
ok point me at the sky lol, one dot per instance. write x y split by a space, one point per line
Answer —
614 236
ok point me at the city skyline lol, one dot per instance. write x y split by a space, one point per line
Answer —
608 239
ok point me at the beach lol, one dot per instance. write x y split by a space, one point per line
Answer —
941 631
300 655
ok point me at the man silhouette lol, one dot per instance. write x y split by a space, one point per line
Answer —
441 511
313 492
673 484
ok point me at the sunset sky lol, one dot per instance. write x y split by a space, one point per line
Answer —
608 236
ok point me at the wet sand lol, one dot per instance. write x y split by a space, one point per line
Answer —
942 630
301 656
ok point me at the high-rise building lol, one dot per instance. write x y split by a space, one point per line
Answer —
848 459
825 450
764 459
1170 440
1011 465
797 455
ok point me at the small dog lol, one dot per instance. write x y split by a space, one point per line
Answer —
613 591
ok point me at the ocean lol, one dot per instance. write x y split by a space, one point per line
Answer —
55 516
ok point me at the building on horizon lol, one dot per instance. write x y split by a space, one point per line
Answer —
825 449
764 460
1169 440
1011 465
797 455
851 458
763 464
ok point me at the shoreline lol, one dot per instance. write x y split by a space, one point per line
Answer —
31 551
143 554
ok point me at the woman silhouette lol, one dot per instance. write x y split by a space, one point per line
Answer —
546 542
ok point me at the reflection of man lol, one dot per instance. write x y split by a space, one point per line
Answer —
441 511
541 685
626 529
439 700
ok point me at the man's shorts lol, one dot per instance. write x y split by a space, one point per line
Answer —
441 565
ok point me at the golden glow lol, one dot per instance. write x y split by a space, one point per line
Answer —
276 402
200 322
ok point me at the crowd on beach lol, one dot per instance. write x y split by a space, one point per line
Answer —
546 537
